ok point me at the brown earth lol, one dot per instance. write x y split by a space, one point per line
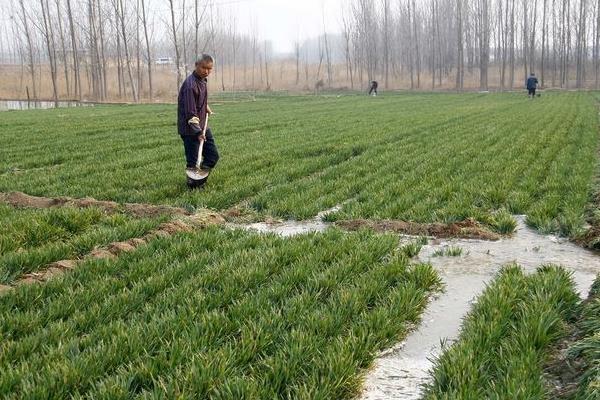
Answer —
467 229
22 200
590 239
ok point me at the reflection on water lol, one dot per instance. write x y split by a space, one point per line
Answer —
6 105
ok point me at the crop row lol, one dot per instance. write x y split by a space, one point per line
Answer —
505 339
31 239
426 157
215 314
584 353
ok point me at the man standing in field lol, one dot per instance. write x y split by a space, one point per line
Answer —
192 112
532 83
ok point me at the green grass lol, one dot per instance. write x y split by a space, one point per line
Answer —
587 349
504 340
31 239
452 251
216 314
421 157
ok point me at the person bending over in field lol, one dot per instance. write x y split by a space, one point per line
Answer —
532 83
373 88
192 112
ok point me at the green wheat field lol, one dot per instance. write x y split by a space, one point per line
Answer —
224 313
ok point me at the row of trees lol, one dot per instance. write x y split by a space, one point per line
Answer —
444 39
103 49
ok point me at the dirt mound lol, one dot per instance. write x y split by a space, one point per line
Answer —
149 210
87 202
467 229
120 247
206 217
19 199
22 200
136 242
101 254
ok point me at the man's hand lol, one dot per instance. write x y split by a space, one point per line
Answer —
202 137
194 123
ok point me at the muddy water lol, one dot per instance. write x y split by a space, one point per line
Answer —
292 228
400 372
287 228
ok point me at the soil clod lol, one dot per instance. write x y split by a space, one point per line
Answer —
101 254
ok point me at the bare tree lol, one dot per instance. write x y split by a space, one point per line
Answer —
347 38
512 45
95 69
76 73
175 44
183 38
267 67
25 23
48 34
138 67
102 56
120 73
484 44
63 47
148 51
297 56
581 44
327 54
544 41
597 44
386 42
416 44
460 49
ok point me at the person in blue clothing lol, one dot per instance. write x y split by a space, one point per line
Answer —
192 111
532 83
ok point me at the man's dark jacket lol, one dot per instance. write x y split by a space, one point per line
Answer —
192 101
532 82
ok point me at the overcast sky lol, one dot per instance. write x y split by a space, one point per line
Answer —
280 21
285 21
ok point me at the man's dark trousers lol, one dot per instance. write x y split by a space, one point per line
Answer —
210 154
532 92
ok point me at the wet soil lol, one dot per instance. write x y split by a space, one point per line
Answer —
468 229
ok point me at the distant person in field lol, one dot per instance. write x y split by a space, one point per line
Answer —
192 111
373 88
532 83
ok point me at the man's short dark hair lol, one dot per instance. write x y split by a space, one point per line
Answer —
205 58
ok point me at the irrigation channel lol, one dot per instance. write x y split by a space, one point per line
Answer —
400 372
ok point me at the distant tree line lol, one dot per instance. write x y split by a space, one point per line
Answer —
94 47
444 39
